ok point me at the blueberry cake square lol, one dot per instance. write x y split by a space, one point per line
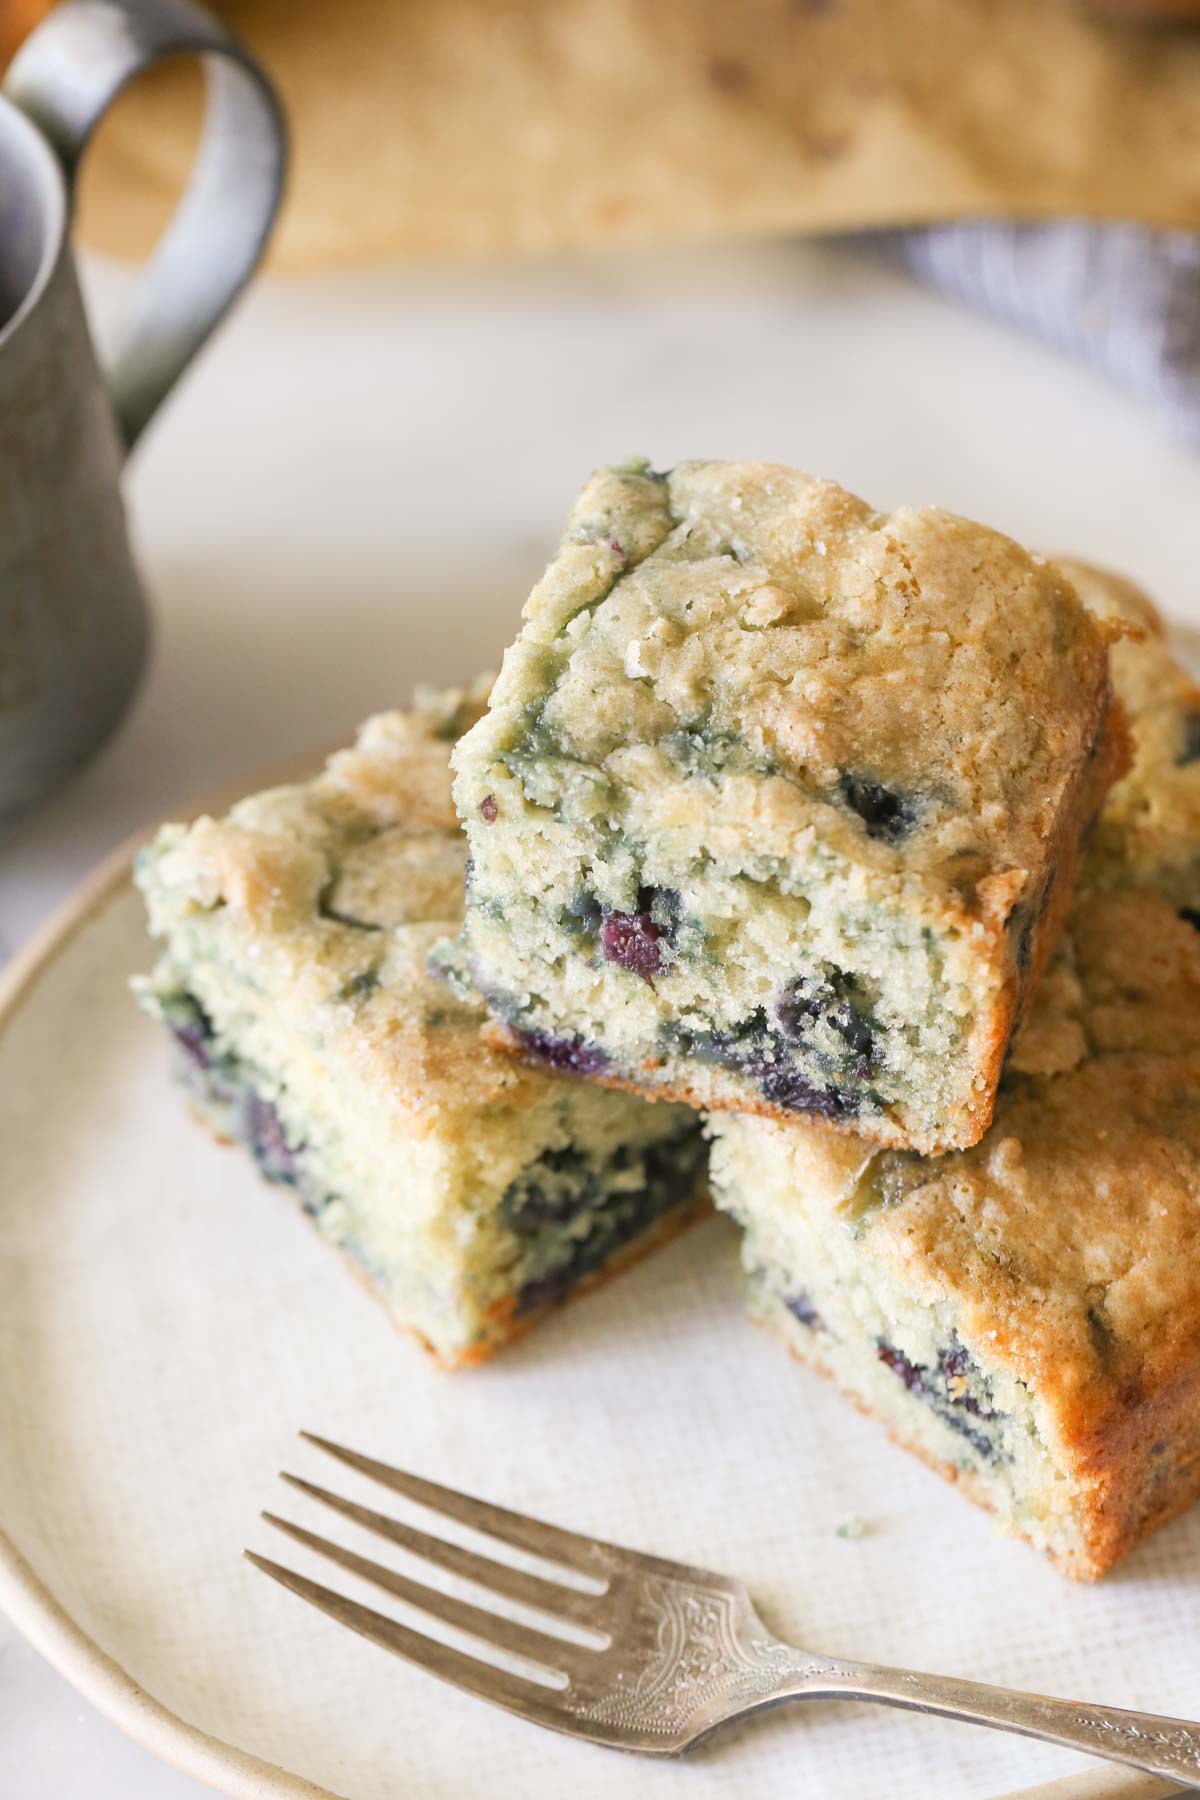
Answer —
778 801
1025 1314
471 1193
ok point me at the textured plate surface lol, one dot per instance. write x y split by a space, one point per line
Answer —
166 1326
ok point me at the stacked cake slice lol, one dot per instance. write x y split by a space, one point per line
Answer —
471 1193
782 814
778 802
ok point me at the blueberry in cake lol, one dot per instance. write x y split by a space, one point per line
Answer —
1025 1314
778 801
471 1192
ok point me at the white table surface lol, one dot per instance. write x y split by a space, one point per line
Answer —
360 481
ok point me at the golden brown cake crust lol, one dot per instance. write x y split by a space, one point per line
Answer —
918 646
1109 758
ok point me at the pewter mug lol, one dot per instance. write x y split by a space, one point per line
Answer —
73 619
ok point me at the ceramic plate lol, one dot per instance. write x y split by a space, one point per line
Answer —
167 1326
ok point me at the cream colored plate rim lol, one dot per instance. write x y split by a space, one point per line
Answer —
37 1615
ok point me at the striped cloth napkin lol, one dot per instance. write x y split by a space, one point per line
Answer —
1124 297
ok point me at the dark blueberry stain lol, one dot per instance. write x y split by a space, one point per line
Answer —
1189 735
635 940
546 1291
563 1188
887 815
632 941
757 1049
802 1308
569 1054
193 1040
940 1387
552 1191
785 1086
255 1121
263 1131
567 1187
191 1028
833 1000
910 1373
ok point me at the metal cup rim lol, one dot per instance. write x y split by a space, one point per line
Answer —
38 167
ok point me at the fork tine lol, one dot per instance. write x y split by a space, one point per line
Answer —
586 1555
554 1654
518 1693
527 1589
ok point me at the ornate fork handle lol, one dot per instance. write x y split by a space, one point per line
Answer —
1161 1746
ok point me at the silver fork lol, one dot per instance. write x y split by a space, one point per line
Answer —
673 1651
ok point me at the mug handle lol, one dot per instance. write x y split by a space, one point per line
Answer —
66 76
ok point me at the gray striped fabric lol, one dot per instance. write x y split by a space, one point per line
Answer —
1125 297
